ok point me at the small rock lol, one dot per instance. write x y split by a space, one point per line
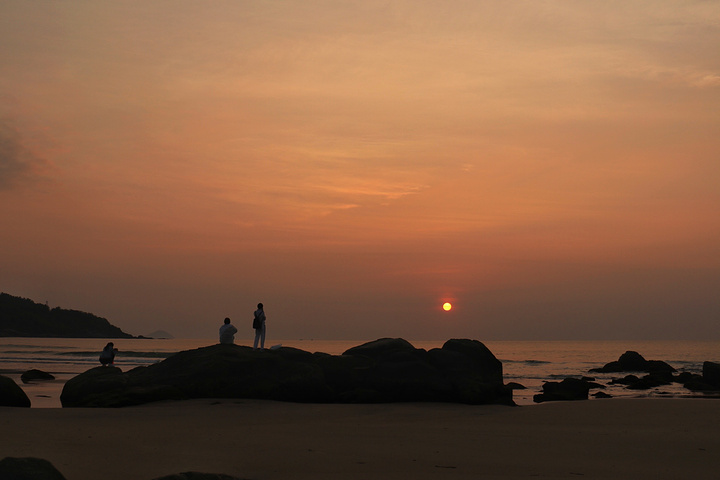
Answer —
568 389
35 374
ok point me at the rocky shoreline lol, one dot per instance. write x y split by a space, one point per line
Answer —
383 371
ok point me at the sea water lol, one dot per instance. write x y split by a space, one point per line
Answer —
529 363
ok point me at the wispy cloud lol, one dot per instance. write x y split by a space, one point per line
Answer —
17 163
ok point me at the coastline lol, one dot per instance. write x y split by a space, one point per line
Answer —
617 438
530 363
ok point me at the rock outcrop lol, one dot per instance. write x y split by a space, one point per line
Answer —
11 395
386 370
634 362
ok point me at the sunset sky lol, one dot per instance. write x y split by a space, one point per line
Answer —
551 168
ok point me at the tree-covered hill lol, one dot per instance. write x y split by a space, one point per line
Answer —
21 317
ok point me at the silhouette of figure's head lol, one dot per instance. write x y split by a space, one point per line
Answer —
227 320
260 306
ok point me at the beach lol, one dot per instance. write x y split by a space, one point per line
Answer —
608 439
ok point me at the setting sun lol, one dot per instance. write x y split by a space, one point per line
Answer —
447 306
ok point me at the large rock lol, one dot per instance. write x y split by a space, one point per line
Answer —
11 395
386 370
631 361
28 468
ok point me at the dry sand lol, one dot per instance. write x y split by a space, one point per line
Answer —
598 439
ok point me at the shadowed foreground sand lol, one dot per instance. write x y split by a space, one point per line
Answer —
606 439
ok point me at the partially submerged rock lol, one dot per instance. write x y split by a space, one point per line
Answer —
386 370
34 375
708 382
11 395
631 361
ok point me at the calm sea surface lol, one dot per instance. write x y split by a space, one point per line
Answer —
530 363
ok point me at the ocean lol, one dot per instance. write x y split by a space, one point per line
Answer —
529 363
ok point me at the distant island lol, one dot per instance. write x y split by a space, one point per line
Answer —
160 334
21 317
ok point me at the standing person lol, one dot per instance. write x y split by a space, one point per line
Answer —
227 332
107 356
259 326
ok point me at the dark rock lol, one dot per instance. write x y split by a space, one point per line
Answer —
702 383
631 361
515 386
198 476
383 348
386 370
594 384
711 373
683 377
601 395
96 382
28 468
646 382
697 384
612 367
34 374
658 366
627 380
11 395
651 381
568 389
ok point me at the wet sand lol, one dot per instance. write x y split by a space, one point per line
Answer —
598 439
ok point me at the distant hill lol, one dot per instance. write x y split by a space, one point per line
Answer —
161 334
21 317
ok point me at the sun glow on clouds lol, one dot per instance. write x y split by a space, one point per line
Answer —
483 146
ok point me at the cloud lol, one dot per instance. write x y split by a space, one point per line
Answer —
17 164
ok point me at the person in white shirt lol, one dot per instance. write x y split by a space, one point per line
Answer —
259 326
227 332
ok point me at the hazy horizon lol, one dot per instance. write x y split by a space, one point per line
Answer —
552 169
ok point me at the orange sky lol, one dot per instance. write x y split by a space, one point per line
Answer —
552 168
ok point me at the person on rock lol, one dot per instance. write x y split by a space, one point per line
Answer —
259 326
227 332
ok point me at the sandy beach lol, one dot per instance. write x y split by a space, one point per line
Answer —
605 439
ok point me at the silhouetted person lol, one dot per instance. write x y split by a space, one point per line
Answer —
227 332
107 356
259 326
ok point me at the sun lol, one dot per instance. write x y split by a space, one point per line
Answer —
447 306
